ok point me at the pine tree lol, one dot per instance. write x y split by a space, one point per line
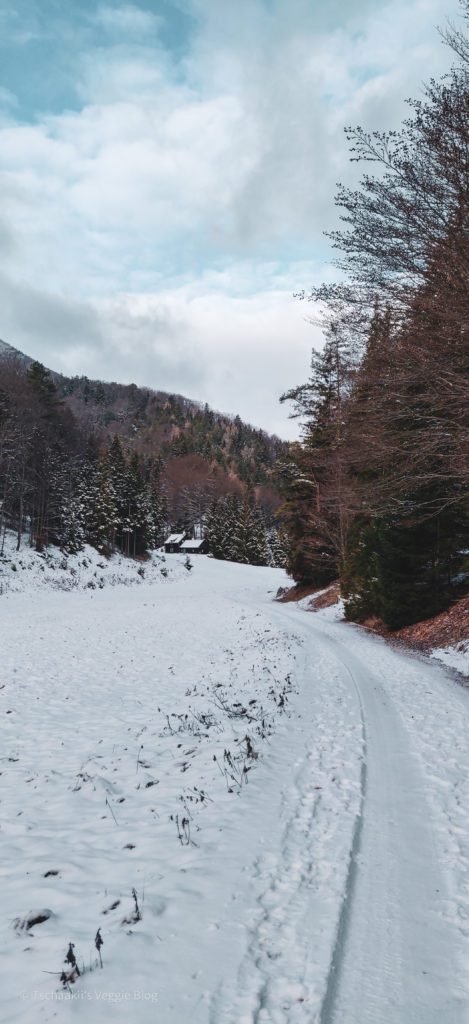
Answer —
220 523
406 556
236 531
315 482
44 387
277 545
117 470
256 549
135 507
72 509
102 515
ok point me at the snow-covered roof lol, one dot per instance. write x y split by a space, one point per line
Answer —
192 543
175 538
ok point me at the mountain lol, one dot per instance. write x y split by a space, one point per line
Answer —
174 425
118 466
7 351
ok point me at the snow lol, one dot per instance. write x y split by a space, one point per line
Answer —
322 870
26 570
175 538
455 656
191 544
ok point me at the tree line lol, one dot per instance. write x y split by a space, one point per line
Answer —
237 531
175 426
376 493
61 484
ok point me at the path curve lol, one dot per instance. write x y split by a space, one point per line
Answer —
395 952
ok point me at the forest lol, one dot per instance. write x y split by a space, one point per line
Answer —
118 467
376 493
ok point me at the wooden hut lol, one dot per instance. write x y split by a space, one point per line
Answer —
173 543
196 546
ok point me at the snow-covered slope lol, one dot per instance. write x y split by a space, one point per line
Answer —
286 795
8 350
26 570
454 655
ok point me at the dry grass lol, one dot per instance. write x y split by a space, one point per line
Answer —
320 598
296 593
449 627
326 598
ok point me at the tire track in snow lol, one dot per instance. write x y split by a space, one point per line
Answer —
387 963
380 917
333 978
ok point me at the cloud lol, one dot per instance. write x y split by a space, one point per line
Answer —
13 26
235 155
205 339
53 327
127 19
7 98
158 230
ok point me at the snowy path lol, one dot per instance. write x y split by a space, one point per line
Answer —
401 945
396 949
327 884
388 960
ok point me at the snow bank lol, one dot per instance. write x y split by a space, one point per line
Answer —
27 570
454 656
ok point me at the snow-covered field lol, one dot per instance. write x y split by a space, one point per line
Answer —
283 797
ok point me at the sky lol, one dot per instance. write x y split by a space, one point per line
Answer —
167 172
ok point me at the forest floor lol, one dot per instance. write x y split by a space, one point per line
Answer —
445 636
264 811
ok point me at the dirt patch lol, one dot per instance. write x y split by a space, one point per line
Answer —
326 598
320 598
449 627
296 593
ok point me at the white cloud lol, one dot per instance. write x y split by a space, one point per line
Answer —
127 19
144 232
7 98
205 338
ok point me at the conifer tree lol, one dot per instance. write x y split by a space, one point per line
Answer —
72 508
277 545
316 482
236 531
102 517
220 523
117 470
134 508
43 386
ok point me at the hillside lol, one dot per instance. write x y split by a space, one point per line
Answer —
8 352
118 464
176 426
